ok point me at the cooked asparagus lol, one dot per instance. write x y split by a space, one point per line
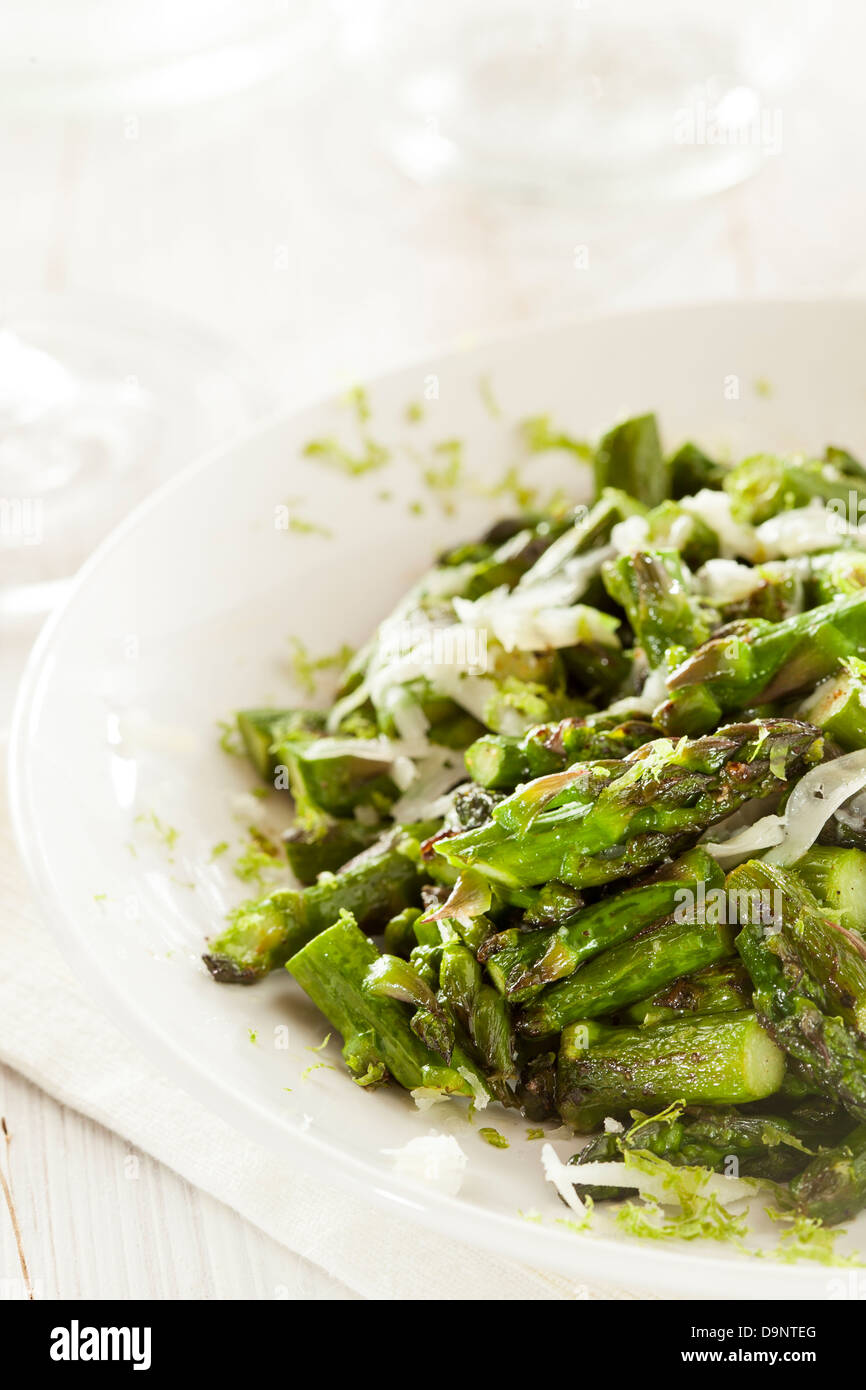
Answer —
500 762
809 976
656 957
607 822
755 661
832 1188
720 1059
334 969
262 935
556 935
522 962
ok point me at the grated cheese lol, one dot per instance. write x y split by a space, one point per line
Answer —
715 509
436 1159
727 581
815 798
802 531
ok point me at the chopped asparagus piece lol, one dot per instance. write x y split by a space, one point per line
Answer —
832 1188
763 486
716 989
717 1059
522 962
607 821
262 935
323 776
500 762
630 457
622 974
260 729
326 846
334 970
837 877
753 661
810 980
654 589
838 706
760 1145
692 470
839 572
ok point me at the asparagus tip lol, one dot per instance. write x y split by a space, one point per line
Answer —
227 971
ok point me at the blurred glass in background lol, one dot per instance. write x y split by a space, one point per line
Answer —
566 99
521 116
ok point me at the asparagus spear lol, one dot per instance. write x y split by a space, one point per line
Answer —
536 1091
400 937
389 977
832 1188
654 589
844 460
326 846
260 729
762 1146
262 935
691 470
323 776
334 969
610 820
655 957
472 805
521 962
810 980
720 1059
480 1009
630 457
838 706
500 762
715 989
827 962
837 877
465 1012
751 662
835 573
763 486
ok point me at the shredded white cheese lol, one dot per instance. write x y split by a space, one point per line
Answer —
714 508
425 1097
752 840
607 1173
727 581
479 1095
539 613
557 1172
802 531
377 750
433 776
436 1159
629 535
555 556
815 798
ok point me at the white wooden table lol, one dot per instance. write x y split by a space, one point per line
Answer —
284 228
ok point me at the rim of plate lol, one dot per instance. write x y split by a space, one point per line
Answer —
602 1257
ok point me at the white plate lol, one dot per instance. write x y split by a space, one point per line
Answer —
185 613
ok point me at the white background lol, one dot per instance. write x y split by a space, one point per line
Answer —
276 219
